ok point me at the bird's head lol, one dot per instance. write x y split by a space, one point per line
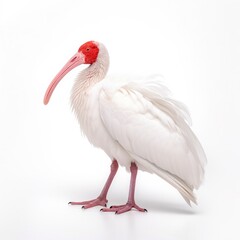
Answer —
87 54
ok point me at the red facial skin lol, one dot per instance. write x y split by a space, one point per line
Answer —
90 50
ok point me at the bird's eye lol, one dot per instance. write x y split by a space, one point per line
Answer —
87 49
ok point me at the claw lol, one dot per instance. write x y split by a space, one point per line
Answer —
124 208
91 203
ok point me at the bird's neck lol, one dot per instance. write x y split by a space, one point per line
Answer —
89 77
94 73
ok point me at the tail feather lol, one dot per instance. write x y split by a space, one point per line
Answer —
183 188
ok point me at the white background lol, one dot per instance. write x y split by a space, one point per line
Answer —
44 160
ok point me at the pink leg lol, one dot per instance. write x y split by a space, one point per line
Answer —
101 200
131 202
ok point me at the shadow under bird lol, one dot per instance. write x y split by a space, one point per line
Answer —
136 123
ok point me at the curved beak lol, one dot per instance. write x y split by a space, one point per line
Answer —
75 61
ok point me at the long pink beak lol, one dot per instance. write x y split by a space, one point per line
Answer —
75 60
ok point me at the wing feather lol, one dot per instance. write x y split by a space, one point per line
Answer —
154 129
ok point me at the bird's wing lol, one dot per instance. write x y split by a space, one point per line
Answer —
154 130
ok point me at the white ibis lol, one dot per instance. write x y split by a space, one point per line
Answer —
136 123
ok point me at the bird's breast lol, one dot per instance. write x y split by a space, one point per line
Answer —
86 107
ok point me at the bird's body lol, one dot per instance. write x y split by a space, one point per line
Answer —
134 120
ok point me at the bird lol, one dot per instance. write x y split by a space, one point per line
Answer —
137 123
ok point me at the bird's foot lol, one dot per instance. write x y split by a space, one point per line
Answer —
91 203
124 208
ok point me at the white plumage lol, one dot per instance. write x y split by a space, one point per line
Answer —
136 120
